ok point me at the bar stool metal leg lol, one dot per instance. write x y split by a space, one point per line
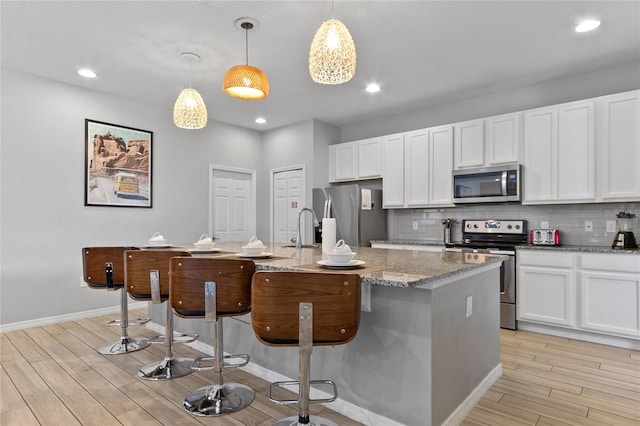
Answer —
220 398
170 367
126 344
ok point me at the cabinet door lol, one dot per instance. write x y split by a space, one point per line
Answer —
504 139
540 155
619 160
576 152
416 174
369 158
546 295
469 144
441 165
610 302
393 172
342 161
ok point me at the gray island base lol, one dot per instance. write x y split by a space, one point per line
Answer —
422 355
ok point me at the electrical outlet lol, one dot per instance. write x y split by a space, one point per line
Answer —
588 226
611 226
544 224
469 306
415 225
82 282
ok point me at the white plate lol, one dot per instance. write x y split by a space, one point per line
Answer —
255 256
211 250
331 265
158 245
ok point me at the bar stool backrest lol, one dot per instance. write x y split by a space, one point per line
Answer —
139 263
94 260
233 285
275 299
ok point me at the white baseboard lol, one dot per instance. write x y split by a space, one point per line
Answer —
346 408
39 322
603 339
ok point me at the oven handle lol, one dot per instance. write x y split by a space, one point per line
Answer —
505 252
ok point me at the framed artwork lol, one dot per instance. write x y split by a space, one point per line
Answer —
117 165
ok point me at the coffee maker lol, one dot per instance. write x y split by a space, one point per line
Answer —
624 238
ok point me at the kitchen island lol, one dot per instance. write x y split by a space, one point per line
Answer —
427 347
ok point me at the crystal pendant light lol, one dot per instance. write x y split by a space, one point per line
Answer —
332 56
189 111
244 81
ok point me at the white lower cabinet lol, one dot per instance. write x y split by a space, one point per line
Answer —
546 288
587 292
609 294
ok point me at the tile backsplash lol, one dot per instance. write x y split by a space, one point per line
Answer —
569 219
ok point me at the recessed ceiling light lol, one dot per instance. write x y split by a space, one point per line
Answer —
260 120
85 72
587 25
373 88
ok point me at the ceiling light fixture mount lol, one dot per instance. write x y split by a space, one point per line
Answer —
244 81
189 111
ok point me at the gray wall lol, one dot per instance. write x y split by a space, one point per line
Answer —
43 220
603 82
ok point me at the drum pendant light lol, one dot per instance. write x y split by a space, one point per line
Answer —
332 56
244 81
189 111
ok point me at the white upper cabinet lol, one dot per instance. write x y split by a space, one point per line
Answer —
503 139
355 160
417 169
619 146
488 142
370 158
559 154
469 144
393 174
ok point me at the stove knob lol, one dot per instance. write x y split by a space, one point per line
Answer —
475 226
509 226
475 256
518 227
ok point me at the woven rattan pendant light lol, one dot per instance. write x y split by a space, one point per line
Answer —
332 56
244 81
189 111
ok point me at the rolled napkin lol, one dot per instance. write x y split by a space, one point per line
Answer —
328 234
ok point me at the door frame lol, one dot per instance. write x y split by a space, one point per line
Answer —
253 192
303 199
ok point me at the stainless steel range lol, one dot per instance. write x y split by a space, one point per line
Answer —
487 237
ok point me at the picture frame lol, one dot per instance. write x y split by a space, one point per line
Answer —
118 165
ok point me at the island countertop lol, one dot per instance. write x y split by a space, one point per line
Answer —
382 267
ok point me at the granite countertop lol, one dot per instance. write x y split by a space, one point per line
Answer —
409 242
383 267
581 249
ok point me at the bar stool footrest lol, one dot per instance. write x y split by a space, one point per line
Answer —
185 338
167 369
155 340
296 382
137 321
198 361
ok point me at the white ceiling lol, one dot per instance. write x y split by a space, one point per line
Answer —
422 53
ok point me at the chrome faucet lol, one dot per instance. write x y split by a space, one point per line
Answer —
315 223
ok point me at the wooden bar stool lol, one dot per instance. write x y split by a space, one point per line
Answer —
305 309
103 269
147 278
214 288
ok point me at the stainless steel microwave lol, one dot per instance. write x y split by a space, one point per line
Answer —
500 184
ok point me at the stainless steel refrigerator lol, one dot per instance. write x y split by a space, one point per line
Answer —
357 210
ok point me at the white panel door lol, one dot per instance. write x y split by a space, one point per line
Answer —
233 205
288 198
469 144
393 171
504 139
441 165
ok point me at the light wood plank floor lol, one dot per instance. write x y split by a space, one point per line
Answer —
52 375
